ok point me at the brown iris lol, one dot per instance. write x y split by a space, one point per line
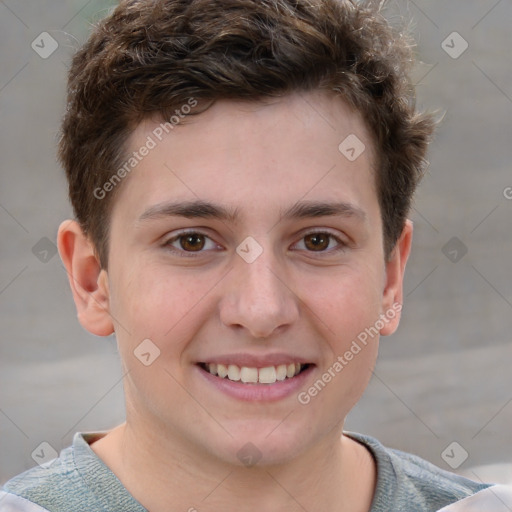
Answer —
192 242
317 241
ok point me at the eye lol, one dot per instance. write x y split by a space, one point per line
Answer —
190 242
321 241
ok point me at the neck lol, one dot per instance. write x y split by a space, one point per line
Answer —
336 475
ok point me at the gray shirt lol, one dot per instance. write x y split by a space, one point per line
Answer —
78 480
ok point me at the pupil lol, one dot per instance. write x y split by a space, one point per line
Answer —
192 242
318 240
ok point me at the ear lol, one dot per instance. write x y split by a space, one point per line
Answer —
89 283
392 299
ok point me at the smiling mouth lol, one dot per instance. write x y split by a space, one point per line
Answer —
252 375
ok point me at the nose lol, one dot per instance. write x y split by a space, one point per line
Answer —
258 298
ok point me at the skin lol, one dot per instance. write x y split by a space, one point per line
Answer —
178 447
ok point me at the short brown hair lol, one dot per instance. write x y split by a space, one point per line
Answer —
151 56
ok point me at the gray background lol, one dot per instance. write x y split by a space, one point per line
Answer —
443 377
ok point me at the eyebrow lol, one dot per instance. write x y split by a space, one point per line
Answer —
207 210
311 209
191 209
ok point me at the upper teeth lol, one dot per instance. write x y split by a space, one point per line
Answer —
267 375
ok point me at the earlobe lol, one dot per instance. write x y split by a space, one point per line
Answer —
88 281
393 290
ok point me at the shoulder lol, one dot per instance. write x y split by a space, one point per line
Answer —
56 485
409 482
46 482
76 480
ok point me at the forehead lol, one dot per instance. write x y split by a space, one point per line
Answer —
248 154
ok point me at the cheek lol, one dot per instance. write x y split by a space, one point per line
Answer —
165 309
351 350
346 302
348 308
158 304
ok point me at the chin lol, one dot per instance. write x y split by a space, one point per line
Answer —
264 445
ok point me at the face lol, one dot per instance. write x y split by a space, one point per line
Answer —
247 243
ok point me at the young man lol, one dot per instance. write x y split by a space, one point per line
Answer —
241 173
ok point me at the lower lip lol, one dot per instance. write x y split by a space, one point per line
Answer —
257 392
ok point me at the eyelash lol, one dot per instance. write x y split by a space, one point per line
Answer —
194 254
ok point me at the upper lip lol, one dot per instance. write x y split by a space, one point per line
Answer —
256 361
